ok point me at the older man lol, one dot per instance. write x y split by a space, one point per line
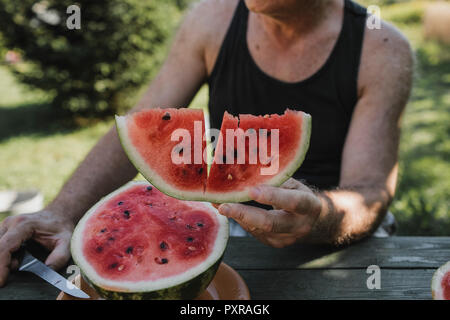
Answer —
261 56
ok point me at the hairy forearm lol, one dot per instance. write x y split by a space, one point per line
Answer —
349 214
105 168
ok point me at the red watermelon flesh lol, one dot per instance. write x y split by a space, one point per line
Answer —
143 235
238 177
150 135
445 283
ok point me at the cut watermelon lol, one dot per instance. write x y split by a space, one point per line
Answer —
138 243
146 138
279 145
440 284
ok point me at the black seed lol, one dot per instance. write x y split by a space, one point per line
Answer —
190 239
200 224
166 116
129 250
120 203
114 265
126 213
163 245
161 260
99 249
111 239
189 226
150 204
103 230
200 171
149 188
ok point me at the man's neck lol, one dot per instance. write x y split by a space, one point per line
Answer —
287 26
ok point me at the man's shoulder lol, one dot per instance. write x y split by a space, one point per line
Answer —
210 18
385 48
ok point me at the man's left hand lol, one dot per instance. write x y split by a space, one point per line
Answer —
295 211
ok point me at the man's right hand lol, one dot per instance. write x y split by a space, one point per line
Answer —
52 231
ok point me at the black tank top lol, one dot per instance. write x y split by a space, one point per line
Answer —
238 85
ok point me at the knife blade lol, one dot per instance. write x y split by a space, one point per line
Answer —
33 265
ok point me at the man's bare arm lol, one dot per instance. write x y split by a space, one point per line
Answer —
107 167
369 162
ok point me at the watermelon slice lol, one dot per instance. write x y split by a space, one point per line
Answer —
251 150
138 243
440 284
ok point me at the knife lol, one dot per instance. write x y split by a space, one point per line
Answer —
31 264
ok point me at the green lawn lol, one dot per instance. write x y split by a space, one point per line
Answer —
37 151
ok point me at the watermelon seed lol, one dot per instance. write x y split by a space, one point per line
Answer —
127 214
121 267
129 250
120 203
166 116
200 171
103 230
149 188
114 265
189 226
230 177
99 249
192 248
163 245
111 239
161 261
189 239
200 224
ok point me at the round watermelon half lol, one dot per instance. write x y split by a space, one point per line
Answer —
440 284
138 243
146 137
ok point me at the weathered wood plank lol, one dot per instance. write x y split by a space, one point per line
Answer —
393 252
337 284
27 286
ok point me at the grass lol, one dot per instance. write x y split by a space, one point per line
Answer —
37 151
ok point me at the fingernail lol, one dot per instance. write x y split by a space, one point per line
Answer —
224 209
255 192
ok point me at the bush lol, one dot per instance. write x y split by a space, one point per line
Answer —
94 70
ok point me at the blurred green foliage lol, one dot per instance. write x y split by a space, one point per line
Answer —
97 69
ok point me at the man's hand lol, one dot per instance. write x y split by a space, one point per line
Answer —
52 231
296 210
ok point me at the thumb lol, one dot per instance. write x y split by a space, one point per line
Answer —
59 256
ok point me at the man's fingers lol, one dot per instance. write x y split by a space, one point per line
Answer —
60 255
254 218
291 200
10 242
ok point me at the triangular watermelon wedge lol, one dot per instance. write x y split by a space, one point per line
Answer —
259 150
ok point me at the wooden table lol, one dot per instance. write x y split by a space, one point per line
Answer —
311 272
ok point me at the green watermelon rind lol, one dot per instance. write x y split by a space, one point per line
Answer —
194 283
144 169
223 197
436 281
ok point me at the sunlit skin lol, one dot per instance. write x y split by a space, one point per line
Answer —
289 40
